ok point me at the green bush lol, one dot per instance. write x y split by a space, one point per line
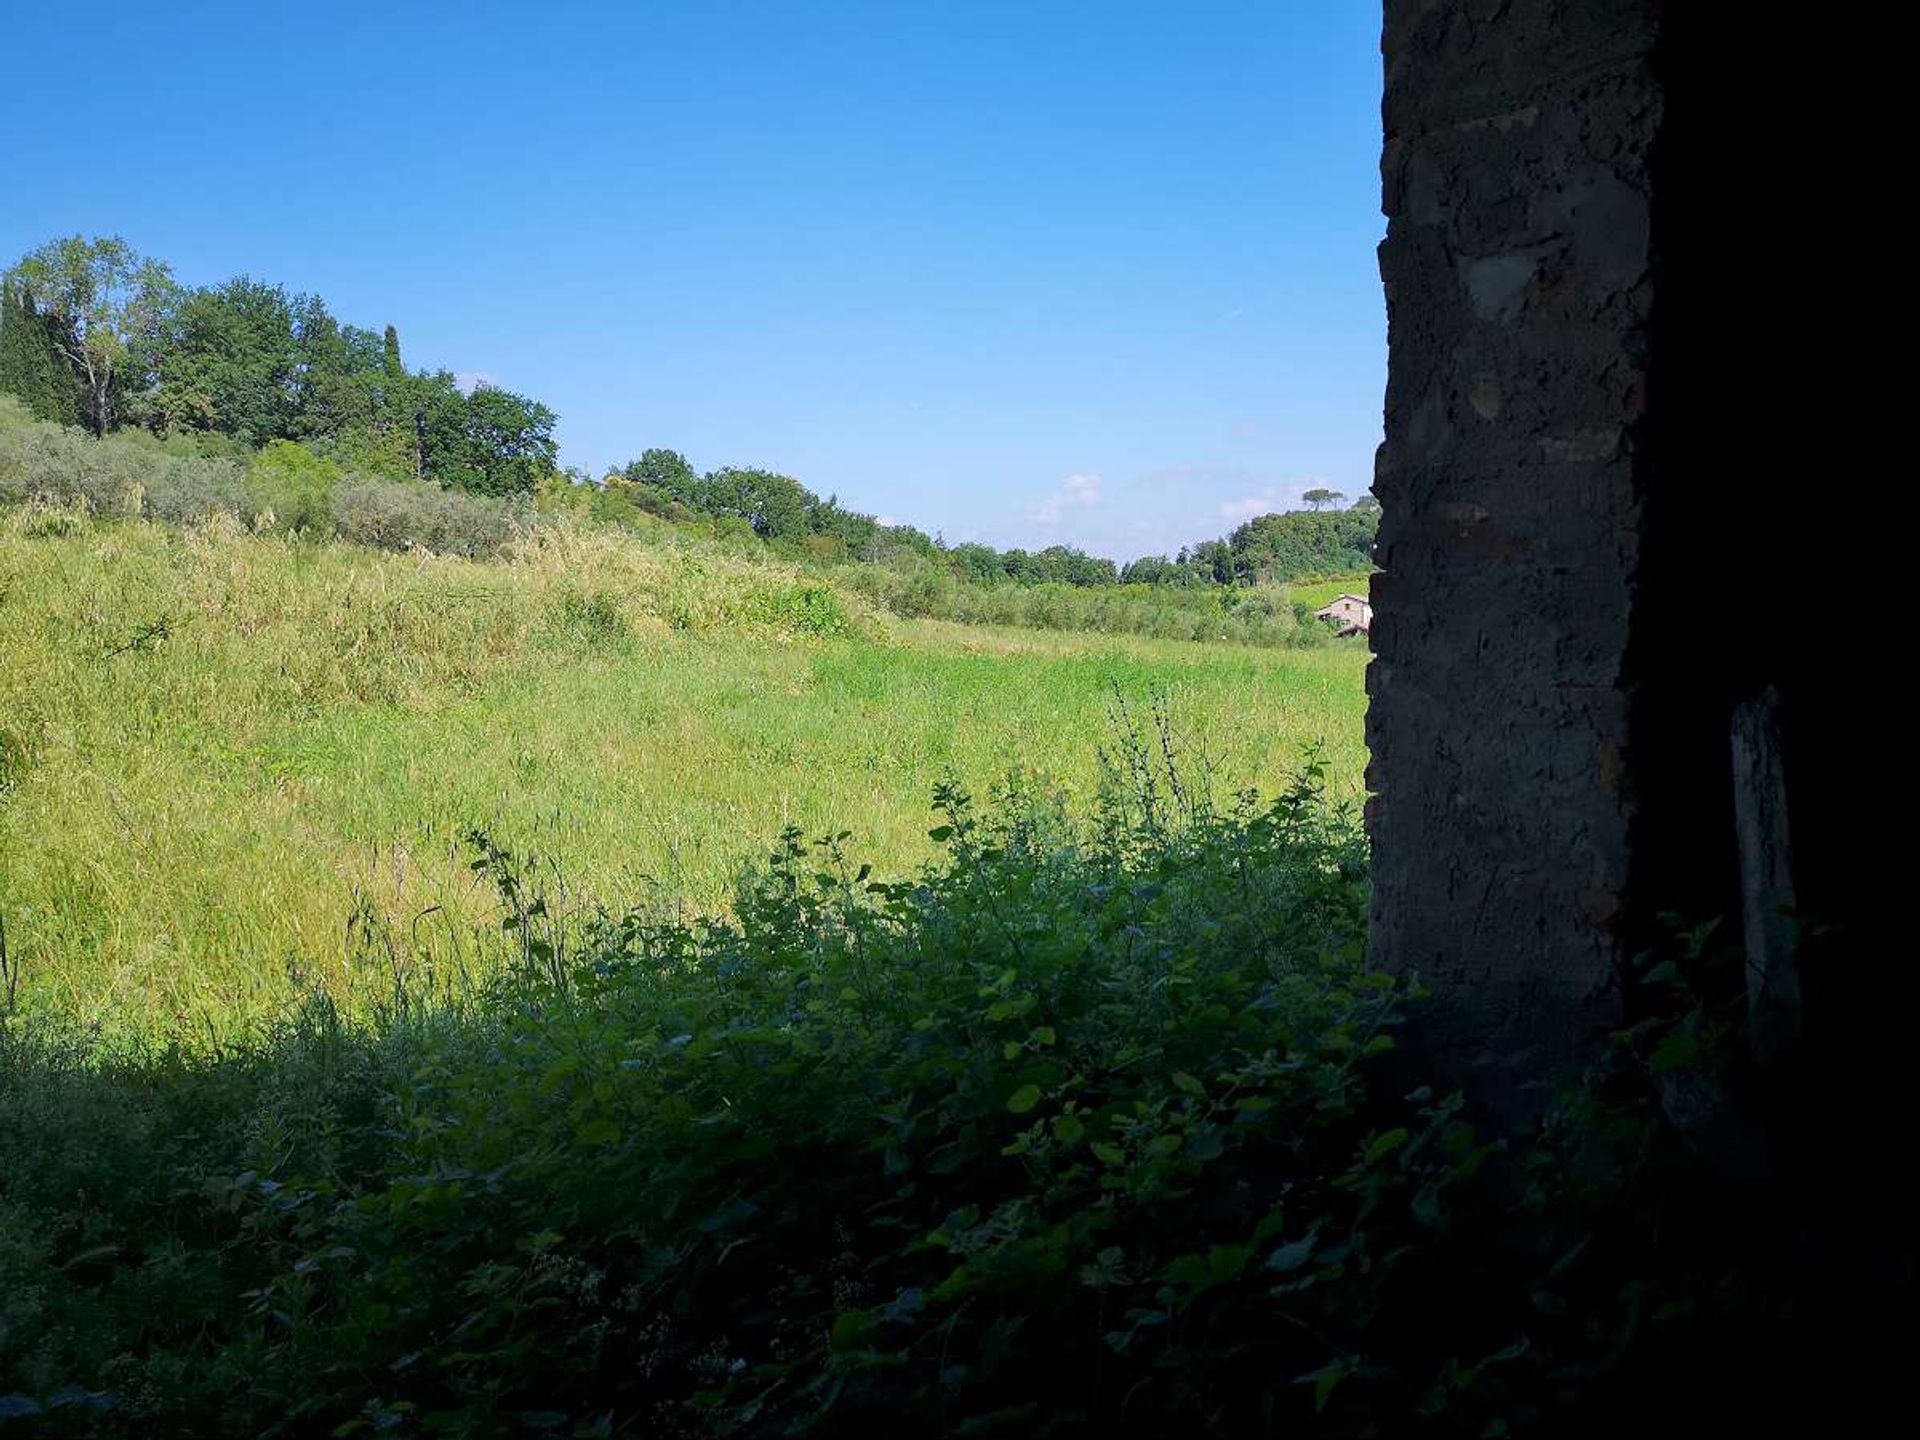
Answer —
1081 1131
296 486
397 515
801 610
118 475
1244 616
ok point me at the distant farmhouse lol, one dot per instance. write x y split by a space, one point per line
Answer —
1353 614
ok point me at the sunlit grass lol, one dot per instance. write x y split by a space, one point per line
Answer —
217 749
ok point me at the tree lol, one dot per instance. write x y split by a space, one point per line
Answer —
338 375
30 363
1272 548
491 442
1213 558
512 440
774 505
979 563
1366 505
1320 499
230 362
390 358
668 472
1066 565
106 308
1183 573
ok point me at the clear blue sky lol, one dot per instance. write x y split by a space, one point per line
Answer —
1099 273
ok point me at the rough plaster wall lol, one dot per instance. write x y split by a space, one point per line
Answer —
1518 267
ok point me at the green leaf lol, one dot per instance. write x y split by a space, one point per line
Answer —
1024 1099
602 1130
850 1329
1042 1035
1227 1261
955 1285
1069 1129
1185 1082
1271 1224
1384 1144
1011 1050
1109 1154
1189 1270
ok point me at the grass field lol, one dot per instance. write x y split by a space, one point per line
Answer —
1320 592
217 749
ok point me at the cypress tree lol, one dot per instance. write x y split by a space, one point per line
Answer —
390 360
404 415
30 365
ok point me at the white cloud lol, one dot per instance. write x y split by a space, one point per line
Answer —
1249 506
1267 501
1076 491
1084 488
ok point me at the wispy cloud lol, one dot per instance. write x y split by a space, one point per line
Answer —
1248 506
1265 502
1075 492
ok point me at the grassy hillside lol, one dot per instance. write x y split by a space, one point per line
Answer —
1319 592
217 749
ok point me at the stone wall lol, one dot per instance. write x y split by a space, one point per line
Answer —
1522 281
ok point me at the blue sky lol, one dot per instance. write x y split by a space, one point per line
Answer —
1093 273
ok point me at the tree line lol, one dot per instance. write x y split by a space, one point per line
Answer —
95 335
784 512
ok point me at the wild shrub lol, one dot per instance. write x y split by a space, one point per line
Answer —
401 515
116 476
1082 1130
296 486
1245 616
804 609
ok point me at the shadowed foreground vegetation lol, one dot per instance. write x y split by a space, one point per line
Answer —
337 1099
1088 1127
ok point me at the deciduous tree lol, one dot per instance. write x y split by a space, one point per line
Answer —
106 308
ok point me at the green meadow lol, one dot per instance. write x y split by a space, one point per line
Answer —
233 765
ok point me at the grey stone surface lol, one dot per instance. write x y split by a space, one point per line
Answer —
1519 268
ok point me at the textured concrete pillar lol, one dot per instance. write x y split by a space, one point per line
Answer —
1522 279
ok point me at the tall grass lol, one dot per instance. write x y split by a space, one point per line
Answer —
64 476
1266 616
217 748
